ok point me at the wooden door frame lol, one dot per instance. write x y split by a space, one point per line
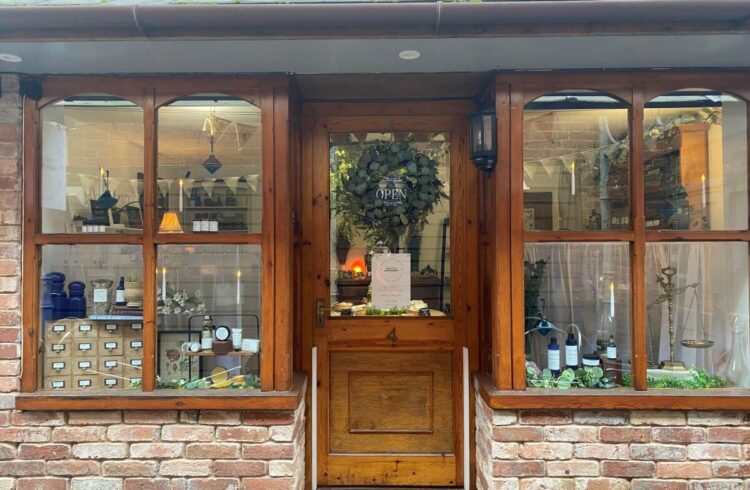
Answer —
317 119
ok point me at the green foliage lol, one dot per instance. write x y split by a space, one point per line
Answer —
379 312
700 379
533 275
585 377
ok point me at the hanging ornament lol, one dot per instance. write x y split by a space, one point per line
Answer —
232 183
212 164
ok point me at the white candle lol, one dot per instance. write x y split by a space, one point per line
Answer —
573 181
703 189
239 275
180 195
163 283
612 299
101 181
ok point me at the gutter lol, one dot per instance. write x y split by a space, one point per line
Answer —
346 20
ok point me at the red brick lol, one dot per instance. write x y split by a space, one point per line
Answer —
625 434
100 450
547 483
159 417
268 417
8 150
545 417
219 417
729 434
213 483
9 351
714 451
659 485
547 450
7 451
602 484
95 417
267 484
658 452
24 434
572 468
9 334
21 468
628 469
572 434
602 451
43 451
37 418
156 450
678 434
50 483
9 132
130 468
268 451
693 470
9 301
8 267
517 468
517 434
10 319
240 468
133 433
188 433
242 434
187 467
147 484
78 434
212 451
731 469
73 467
9 384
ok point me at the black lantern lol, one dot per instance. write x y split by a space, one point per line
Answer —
483 126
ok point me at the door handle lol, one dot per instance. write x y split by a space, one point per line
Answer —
320 312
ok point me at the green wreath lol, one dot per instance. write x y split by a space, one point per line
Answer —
392 189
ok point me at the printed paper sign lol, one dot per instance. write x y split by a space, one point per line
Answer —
391 281
54 166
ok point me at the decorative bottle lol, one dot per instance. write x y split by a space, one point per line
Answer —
571 352
120 293
207 334
611 348
553 356
76 299
738 370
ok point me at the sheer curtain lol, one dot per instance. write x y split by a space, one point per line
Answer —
576 289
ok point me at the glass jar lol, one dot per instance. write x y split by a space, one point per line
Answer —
101 296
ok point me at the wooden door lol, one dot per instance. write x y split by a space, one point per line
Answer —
390 401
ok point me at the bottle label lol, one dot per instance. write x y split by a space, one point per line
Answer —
207 343
571 355
553 360
100 295
120 296
611 352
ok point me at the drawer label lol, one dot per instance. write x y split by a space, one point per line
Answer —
56 385
136 362
84 346
109 382
58 366
84 365
58 328
58 347
110 345
110 327
136 326
84 383
84 328
110 364
136 344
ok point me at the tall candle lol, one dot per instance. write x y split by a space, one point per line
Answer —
101 181
573 175
239 275
181 195
612 299
163 283
703 189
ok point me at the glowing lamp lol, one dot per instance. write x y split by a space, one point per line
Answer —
170 223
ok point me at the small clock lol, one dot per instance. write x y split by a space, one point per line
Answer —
223 333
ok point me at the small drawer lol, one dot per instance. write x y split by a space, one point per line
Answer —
58 329
83 365
134 329
85 330
134 347
58 367
111 347
86 382
110 364
134 382
56 383
108 329
112 382
84 348
58 349
133 366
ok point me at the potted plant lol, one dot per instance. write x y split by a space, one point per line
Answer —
343 241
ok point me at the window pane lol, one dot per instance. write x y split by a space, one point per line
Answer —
695 158
706 287
390 214
209 316
209 166
576 162
577 308
91 317
92 165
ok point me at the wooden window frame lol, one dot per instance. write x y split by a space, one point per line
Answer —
505 386
280 388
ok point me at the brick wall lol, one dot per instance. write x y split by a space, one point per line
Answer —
113 450
592 450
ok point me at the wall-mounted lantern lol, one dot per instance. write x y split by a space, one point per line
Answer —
483 127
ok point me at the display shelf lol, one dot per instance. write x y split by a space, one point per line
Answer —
212 354
115 317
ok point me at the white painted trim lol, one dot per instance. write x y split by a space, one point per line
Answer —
314 421
467 422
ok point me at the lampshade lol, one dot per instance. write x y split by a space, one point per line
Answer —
170 223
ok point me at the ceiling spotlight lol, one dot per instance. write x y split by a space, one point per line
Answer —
10 58
409 54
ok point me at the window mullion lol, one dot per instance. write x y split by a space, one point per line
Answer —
149 248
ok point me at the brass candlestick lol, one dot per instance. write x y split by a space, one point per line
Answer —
665 281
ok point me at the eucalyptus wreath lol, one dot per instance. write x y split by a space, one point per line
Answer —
409 174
